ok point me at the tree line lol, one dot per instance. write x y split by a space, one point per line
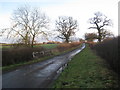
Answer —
28 23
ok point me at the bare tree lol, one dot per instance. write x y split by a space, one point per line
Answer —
90 36
66 27
106 34
99 22
81 40
28 24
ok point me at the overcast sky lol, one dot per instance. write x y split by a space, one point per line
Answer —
81 10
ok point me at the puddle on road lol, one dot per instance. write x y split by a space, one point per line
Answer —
47 71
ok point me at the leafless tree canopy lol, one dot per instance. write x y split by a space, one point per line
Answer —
90 36
28 24
99 22
66 27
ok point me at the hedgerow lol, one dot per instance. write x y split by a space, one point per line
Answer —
110 50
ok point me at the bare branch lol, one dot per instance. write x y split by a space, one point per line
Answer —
27 24
99 21
66 26
92 28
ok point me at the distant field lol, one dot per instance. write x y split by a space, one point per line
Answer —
47 46
5 46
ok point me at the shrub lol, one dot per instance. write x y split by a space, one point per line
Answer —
65 46
20 54
74 44
91 44
108 49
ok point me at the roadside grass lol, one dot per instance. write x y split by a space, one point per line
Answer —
87 70
14 66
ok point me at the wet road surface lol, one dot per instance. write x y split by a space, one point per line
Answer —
39 75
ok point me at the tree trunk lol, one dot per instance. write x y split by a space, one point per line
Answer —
32 44
99 35
67 40
99 39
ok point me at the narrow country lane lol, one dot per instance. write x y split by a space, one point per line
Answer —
39 75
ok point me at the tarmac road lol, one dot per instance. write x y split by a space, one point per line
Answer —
38 75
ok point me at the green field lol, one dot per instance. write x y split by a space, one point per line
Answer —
87 70
47 46
5 46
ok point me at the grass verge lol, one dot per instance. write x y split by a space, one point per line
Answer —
86 70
